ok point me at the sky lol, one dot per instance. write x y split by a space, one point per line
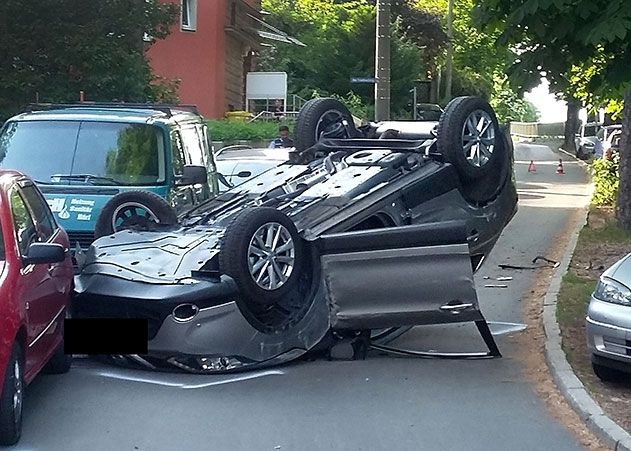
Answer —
550 109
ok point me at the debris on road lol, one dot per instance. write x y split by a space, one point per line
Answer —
495 286
554 263
548 264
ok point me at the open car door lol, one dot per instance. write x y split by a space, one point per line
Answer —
402 276
411 275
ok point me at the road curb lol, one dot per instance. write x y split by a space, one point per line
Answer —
570 386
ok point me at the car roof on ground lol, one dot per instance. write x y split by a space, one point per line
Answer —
240 153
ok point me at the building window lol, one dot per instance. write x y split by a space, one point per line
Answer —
189 15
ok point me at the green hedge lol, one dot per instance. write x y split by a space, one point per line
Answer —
606 179
224 130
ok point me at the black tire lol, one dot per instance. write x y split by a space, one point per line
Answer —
10 412
236 260
157 210
451 137
607 374
487 188
317 116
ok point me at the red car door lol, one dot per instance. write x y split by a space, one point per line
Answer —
48 231
36 286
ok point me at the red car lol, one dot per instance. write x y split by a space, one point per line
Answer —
36 277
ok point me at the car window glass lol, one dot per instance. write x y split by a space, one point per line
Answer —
44 220
179 159
207 146
126 154
24 227
39 148
193 146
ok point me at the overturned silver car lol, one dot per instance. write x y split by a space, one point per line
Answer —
354 234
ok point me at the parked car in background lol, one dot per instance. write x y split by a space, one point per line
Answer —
111 158
428 112
237 164
36 278
609 323
356 233
596 141
587 142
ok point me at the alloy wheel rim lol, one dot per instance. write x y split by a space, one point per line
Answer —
127 214
17 391
478 138
271 256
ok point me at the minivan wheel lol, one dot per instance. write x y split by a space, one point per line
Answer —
133 210
11 399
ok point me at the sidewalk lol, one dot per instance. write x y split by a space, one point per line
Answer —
570 386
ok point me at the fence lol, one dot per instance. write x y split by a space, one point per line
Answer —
537 129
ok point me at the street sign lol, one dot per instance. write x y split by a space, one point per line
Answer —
363 80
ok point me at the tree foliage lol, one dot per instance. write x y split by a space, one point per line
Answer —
52 49
340 44
510 107
565 39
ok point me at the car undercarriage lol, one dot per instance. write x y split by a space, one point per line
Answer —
354 239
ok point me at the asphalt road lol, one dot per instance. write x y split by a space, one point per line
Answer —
377 404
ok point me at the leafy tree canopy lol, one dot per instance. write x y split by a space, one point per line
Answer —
340 39
55 48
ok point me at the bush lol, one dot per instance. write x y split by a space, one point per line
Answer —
606 179
223 130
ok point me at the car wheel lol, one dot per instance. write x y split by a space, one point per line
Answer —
468 136
133 209
262 251
11 399
318 116
488 187
607 374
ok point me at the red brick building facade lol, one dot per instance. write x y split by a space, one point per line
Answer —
210 50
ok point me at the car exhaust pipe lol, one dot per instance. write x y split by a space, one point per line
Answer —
185 312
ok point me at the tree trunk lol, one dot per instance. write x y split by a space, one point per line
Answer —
623 203
571 126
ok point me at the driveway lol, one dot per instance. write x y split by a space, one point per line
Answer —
381 403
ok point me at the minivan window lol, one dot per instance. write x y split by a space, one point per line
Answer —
193 146
95 153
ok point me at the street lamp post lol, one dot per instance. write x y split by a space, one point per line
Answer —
382 61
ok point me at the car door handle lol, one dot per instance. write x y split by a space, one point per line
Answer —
454 308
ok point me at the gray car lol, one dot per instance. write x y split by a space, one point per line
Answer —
609 323
354 234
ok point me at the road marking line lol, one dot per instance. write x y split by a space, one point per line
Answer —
190 386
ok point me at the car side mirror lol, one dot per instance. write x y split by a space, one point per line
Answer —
193 175
38 253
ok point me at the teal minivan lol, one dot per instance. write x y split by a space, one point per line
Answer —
122 161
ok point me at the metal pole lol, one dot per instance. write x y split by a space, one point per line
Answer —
414 106
382 61
450 50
